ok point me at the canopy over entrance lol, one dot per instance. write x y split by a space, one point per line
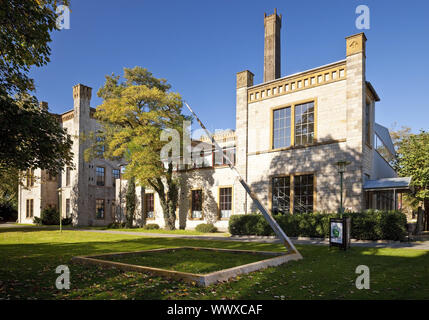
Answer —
386 193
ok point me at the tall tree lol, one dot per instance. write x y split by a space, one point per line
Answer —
413 160
29 135
133 115
130 200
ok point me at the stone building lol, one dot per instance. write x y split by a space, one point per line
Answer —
87 191
291 133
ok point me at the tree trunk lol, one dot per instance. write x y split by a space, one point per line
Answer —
426 215
419 224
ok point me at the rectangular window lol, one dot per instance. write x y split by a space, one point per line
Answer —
225 202
367 124
115 175
100 146
99 209
230 153
30 178
281 195
149 205
68 208
303 193
197 204
68 169
29 208
281 128
304 123
100 176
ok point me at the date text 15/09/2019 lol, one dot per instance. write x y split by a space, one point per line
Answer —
226 309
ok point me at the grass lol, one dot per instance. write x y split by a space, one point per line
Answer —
163 231
189 260
29 257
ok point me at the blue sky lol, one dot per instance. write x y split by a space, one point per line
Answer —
200 45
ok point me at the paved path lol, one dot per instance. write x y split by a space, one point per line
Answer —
11 225
355 243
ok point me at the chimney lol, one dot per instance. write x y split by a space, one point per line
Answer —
82 98
272 25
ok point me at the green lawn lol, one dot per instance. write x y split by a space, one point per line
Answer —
162 231
29 257
189 260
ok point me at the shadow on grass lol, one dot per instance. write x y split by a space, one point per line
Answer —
27 270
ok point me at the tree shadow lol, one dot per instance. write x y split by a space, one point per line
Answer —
320 160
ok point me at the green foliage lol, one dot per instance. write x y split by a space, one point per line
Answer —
67 221
50 216
133 115
413 160
131 199
368 225
206 228
151 226
25 32
9 181
8 212
29 136
37 220
116 225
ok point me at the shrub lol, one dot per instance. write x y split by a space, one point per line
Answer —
116 225
67 221
206 228
50 216
8 212
368 225
37 220
151 226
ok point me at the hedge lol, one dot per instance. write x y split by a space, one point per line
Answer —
368 225
206 228
51 216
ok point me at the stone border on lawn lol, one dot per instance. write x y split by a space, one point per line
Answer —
202 280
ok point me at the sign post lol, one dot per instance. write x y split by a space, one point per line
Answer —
339 232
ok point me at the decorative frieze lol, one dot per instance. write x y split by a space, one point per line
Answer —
304 80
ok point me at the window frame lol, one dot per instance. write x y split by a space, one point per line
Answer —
29 209
68 206
96 176
68 176
290 191
114 176
292 176
191 204
104 209
145 205
292 133
219 201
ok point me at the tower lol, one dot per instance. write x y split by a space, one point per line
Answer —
272 25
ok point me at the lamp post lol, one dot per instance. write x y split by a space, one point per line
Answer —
341 169
59 208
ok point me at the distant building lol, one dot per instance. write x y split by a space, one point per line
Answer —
88 190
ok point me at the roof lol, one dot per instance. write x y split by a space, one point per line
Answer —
403 183
384 135
372 90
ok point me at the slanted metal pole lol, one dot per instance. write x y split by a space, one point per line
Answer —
267 215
